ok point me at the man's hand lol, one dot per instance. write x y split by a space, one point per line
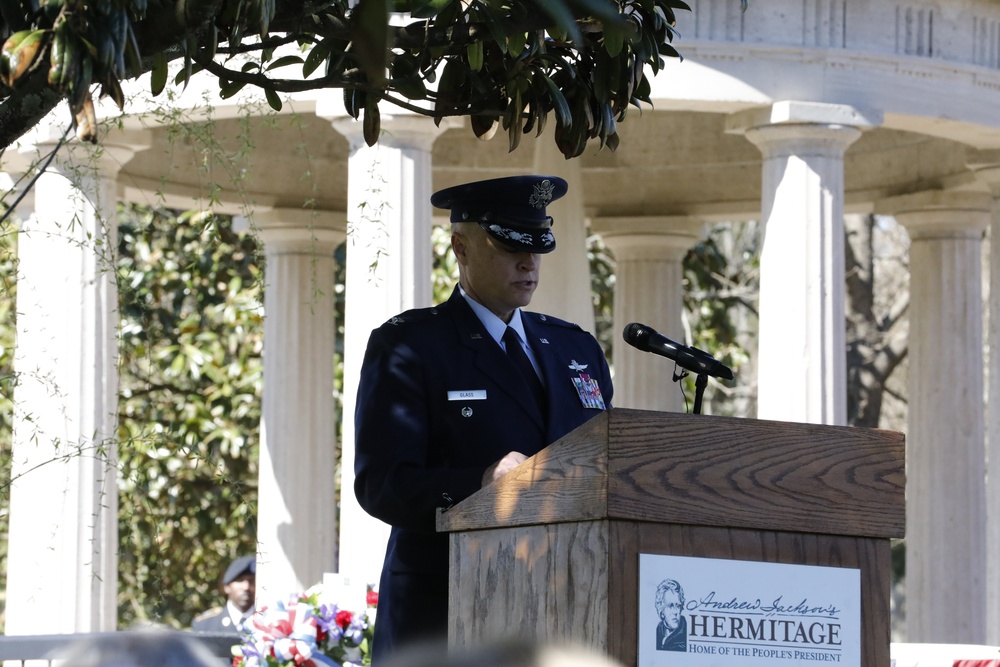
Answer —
503 466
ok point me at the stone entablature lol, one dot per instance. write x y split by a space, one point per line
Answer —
967 32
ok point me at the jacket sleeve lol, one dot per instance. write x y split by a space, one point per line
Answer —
401 477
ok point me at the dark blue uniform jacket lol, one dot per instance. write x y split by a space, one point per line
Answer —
421 445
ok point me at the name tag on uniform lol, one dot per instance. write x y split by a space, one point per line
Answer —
467 395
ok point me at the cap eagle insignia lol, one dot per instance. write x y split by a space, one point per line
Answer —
542 194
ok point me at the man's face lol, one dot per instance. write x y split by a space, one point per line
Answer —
500 278
671 613
241 591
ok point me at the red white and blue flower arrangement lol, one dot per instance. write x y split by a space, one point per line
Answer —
308 631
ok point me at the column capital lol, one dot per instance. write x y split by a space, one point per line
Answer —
400 130
940 213
985 166
649 237
299 231
115 150
791 112
982 157
989 175
794 128
801 139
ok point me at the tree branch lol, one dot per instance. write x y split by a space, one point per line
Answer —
31 101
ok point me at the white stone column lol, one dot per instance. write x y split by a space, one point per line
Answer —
801 362
990 174
389 258
945 469
649 288
296 507
564 290
62 567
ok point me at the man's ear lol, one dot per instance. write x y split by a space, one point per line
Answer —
458 245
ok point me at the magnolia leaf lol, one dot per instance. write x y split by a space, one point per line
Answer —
541 117
113 89
495 23
317 56
516 42
484 127
475 54
449 90
370 34
642 92
608 126
602 75
283 62
354 101
612 142
158 75
668 50
229 88
563 113
614 39
273 100
680 4
20 52
372 123
513 119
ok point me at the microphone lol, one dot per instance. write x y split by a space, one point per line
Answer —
689 358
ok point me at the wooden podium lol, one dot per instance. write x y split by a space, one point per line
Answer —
550 551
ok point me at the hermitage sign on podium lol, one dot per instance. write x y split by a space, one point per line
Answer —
701 612
771 540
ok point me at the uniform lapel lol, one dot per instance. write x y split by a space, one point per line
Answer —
490 359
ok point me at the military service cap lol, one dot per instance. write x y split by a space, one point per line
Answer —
511 209
239 567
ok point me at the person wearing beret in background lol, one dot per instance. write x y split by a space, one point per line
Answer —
239 585
453 397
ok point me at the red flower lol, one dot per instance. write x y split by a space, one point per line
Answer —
372 598
237 660
344 619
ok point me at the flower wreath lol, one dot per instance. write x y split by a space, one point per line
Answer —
306 631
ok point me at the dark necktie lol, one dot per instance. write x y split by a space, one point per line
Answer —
524 367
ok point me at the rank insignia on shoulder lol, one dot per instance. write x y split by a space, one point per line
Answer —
395 319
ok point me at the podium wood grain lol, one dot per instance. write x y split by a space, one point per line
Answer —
551 551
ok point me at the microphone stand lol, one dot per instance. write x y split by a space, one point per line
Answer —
700 382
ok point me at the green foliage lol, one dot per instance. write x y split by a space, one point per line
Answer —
189 409
444 275
602 290
721 277
504 64
721 288
8 321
